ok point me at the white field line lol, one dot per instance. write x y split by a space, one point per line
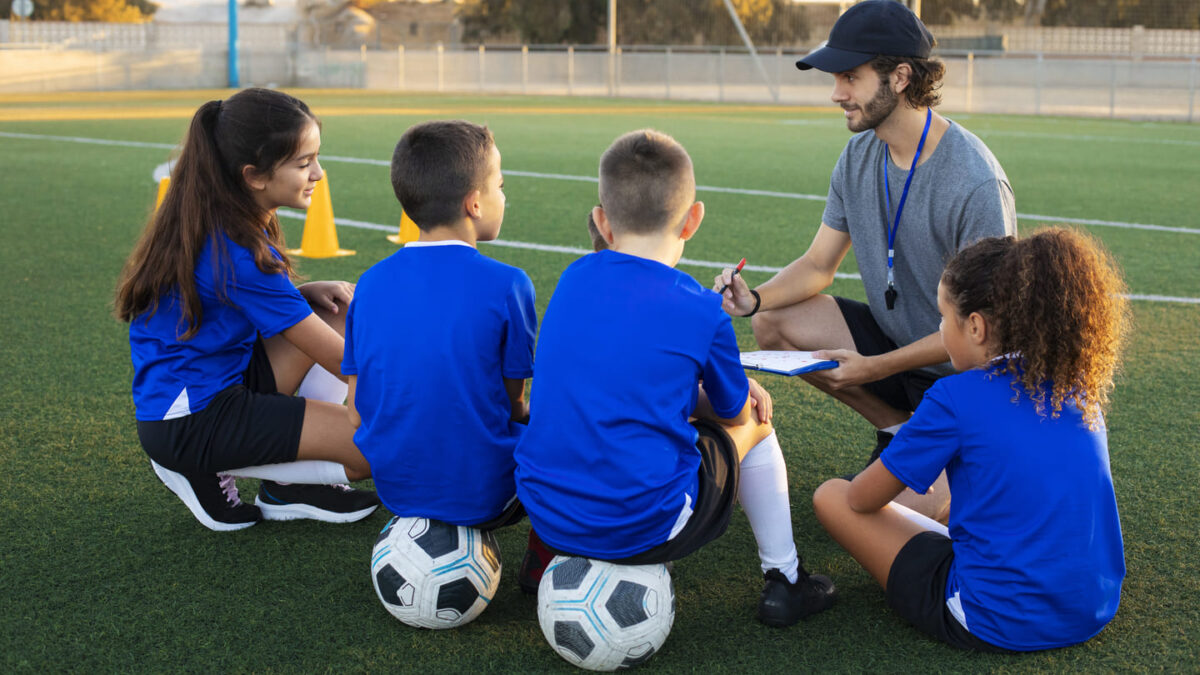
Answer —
593 179
576 251
580 251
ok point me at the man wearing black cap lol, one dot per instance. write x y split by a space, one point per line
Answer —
905 197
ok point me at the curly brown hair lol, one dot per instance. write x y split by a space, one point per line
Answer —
923 84
1056 306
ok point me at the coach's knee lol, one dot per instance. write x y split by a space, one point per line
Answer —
766 331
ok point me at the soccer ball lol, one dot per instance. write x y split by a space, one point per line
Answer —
603 616
431 574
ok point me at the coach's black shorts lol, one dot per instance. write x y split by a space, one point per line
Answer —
245 424
902 391
713 506
916 590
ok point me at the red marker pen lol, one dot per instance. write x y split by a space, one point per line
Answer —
736 270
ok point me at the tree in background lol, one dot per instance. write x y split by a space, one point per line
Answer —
1178 14
657 22
114 11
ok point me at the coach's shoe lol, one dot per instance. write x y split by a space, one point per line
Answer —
211 497
882 440
329 503
783 604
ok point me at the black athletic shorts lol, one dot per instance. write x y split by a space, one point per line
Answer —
713 506
916 590
512 514
245 424
902 391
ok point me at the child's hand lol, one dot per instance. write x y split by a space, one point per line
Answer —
760 402
331 296
736 299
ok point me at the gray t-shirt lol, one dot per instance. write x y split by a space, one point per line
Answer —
959 195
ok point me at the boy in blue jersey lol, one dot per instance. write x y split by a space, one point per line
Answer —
439 340
644 427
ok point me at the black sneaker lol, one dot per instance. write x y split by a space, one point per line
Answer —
211 497
329 503
783 604
529 576
882 440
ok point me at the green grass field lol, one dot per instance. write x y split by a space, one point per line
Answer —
102 569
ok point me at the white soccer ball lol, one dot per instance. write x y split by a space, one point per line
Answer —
431 574
603 616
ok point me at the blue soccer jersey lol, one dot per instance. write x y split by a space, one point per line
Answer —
609 460
1038 558
431 334
173 377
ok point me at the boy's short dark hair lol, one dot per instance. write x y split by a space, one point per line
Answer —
646 182
436 165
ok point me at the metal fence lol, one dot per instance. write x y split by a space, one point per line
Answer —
1124 86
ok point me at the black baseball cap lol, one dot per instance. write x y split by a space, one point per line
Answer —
869 29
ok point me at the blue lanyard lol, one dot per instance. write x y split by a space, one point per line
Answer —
890 294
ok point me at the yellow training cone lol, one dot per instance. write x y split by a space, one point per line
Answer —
162 191
408 231
320 234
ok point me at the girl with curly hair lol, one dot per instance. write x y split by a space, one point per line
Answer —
1032 558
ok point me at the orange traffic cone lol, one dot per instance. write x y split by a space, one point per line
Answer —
320 235
162 191
408 231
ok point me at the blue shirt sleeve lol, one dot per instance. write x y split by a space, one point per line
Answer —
520 329
926 443
269 300
724 378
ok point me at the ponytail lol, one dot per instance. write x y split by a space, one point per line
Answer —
208 197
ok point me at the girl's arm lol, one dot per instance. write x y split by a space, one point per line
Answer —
872 489
319 342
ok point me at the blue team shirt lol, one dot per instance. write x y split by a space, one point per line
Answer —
430 335
610 459
1038 558
173 377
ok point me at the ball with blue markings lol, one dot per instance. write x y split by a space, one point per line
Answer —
431 574
602 616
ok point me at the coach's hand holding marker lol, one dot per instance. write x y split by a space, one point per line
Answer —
728 280
737 270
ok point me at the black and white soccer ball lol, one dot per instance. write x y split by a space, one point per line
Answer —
602 616
431 574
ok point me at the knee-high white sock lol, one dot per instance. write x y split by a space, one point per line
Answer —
763 492
315 471
920 519
321 385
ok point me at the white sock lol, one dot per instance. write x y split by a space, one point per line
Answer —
313 471
763 493
892 429
920 519
321 385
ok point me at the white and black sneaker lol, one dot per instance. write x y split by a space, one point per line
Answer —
211 497
328 503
